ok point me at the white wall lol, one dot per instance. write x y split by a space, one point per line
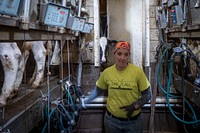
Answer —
126 22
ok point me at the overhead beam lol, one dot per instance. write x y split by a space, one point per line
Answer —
11 31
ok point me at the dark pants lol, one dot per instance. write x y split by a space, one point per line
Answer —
113 125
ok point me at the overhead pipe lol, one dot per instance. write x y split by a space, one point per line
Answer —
147 36
159 100
96 34
79 7
163 105
185 5
25 15
79 14
80 63
62 29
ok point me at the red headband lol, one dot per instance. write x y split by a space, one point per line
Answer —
124 45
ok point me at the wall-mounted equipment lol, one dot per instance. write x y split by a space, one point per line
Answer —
88 27
161 17
54 15
9 7
172 2
177 15
162 21
76 23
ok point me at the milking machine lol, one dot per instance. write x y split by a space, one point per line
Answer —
178 64
64 112
169 52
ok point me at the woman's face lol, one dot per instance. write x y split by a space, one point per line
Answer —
121 58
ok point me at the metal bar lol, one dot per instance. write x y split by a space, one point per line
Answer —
25 15
147 34
96 34
158 100
153 101
32 113
191 91
15 34
163 105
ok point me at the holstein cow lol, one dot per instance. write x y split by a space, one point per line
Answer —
106 47
14 61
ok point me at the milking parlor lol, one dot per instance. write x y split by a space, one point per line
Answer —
99 66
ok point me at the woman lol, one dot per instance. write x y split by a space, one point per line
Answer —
128 90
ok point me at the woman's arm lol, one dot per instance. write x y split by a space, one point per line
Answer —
145 97
95 92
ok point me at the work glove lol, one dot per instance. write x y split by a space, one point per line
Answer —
81 103
130 108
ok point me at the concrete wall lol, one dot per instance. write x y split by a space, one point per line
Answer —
128 21
154 33
125 19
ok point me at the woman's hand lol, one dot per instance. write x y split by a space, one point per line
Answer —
129 109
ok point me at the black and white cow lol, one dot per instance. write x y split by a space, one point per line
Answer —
106 49
14 60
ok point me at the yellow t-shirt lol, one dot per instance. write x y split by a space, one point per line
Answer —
123 87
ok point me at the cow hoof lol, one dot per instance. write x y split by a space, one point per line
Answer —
2 103
30 83
34 86
13 94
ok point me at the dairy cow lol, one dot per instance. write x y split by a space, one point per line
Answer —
14 60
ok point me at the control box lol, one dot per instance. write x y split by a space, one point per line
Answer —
88 27
54 15
76 23
9 7
177 15
161 17
162 21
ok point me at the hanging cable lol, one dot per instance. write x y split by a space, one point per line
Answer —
68 59
25 89
61 63
65 112
167 92
168 103
48 86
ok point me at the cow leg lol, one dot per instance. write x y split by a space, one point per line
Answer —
20 72
39 53
9 55
33 76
